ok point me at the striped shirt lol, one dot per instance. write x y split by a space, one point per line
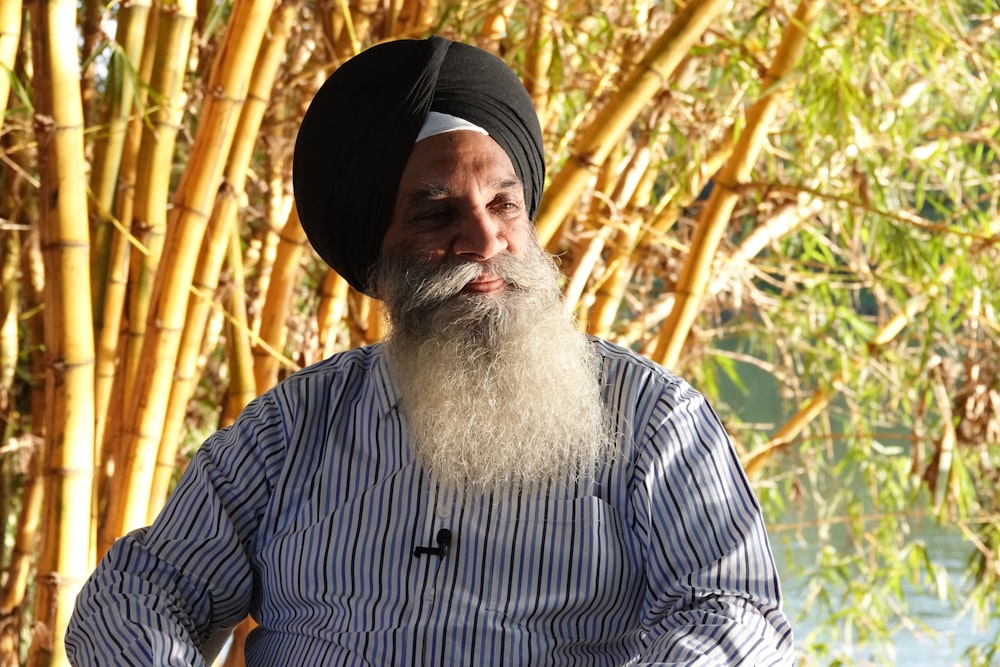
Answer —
306 513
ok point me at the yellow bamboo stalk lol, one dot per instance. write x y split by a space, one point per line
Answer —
22 555
113 340
277 209
21 566
331 313
714 217
663 219
821 398
110 143
705 168
589 254
10 267
10 37
242 387
539 58
114 193
156 155
222 227
782 222
358 307
13 578
278 303
417 16
193 202
603 215
68 458
360 23
348 42
392 17
610 124
608 296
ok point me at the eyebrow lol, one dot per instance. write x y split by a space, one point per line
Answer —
433 192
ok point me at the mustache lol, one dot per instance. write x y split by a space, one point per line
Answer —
429 284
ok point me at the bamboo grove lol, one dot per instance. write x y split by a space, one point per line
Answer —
805 189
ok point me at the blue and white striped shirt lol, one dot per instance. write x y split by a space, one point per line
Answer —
306 512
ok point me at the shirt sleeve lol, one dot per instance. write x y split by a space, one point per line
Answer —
161 592
712 595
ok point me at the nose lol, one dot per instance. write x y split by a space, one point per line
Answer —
480 237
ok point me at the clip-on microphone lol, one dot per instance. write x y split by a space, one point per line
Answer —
443 540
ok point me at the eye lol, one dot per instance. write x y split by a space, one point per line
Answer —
506 205
435 216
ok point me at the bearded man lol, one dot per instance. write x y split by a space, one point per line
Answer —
489 486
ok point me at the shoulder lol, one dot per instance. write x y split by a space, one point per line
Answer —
360 358
339 372
647 392
356 374
621 364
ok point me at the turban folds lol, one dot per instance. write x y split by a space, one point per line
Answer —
358 132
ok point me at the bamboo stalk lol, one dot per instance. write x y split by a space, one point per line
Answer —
165 63
821 398
19 570
110 144
114 158
278 303
714 217
155 166
588 256
10 37
20 565
540 51
332 311
610 124
68 456
222 227
393 9
277 209
242 387
635 183
10 266
778 225
112 377
193 203
417 16
31 286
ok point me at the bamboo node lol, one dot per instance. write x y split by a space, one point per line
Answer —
65 471
219 93
586 161
61 580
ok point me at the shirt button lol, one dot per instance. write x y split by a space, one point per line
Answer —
429 595
444 511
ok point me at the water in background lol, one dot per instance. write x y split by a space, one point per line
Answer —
953 633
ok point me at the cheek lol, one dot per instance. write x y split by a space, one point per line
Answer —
421 248
521 237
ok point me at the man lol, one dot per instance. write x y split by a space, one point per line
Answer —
487 487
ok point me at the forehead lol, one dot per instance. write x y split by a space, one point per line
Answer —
451 156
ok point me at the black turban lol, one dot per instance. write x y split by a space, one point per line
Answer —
359 130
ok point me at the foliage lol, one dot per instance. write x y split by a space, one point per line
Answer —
854 285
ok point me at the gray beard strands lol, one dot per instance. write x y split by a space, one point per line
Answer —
498 391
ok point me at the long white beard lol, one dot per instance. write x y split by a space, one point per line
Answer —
498 392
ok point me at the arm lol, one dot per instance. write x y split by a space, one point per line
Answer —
160 592
713 596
